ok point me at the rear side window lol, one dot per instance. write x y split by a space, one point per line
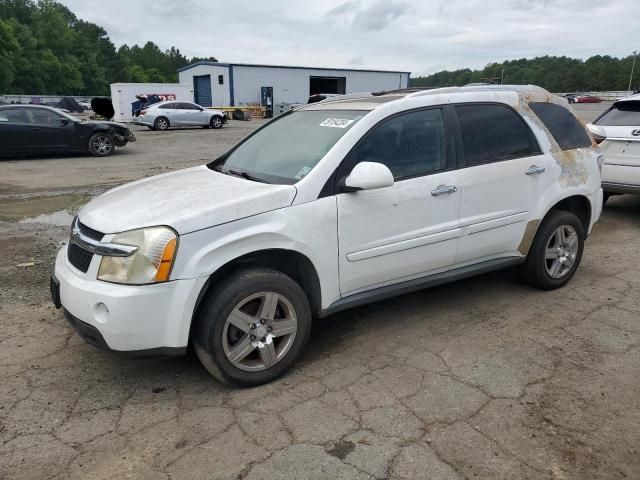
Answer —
562 124
492 133
624 114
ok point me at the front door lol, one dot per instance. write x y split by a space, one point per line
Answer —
50 131
410 229
504 174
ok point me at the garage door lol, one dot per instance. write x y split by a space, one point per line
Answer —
202 90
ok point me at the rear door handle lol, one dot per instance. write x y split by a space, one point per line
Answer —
534 170
443 189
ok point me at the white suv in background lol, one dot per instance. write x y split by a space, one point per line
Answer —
618 132
328 207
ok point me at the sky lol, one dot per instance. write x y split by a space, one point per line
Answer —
407 35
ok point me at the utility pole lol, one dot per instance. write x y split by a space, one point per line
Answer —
633 66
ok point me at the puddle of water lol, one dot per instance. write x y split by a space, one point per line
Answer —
55 210
62 218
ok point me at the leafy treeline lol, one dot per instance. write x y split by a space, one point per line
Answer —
46 49
556 74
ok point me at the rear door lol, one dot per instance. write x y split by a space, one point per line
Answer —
410 229
504 173
15 131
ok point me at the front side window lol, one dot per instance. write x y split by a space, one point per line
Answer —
287 149
43 117
622 114
562 125
409 144
492 133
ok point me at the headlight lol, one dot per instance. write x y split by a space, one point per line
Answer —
150 263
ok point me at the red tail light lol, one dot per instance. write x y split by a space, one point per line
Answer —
142 112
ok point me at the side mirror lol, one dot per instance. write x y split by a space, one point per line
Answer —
368 176
64 121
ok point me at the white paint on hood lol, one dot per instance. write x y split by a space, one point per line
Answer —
186 200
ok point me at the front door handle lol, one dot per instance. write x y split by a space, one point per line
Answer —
534 170
443 189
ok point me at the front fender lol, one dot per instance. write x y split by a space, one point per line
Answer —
309 229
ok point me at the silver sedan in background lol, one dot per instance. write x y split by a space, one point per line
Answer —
163 115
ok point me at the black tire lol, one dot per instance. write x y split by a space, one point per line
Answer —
101 144
161 123
535 269
605 197
216 122
209 329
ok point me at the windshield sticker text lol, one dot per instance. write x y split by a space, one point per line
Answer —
336 122
303 171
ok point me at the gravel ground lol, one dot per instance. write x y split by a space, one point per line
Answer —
483 378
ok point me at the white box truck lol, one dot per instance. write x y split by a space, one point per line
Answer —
124 94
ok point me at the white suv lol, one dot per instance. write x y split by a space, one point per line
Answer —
334 205
618 132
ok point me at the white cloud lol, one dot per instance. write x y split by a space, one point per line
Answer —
412 35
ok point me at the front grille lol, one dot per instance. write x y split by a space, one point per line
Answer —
78 257
90 232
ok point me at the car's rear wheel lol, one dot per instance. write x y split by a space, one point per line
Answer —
605 197
216 122
161 123
101 144
252 327
556 251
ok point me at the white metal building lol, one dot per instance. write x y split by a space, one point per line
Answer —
236 84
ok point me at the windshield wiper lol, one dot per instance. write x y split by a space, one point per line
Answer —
241 174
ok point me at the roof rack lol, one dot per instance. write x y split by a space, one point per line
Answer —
401 90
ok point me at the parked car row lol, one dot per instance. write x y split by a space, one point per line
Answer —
39 129
575 98
330 206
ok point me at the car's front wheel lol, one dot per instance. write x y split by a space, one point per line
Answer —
101 144
556 251
252 327
216 122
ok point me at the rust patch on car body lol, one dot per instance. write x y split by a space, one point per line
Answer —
529 235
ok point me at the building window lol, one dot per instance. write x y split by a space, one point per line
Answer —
221 79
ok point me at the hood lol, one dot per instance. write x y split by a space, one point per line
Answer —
186 200
105 122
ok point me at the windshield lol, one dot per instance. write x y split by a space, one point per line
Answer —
287 149
622 114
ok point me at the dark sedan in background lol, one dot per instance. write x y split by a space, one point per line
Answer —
34 129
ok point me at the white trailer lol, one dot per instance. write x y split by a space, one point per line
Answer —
124 94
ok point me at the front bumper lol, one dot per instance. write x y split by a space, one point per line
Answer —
137 320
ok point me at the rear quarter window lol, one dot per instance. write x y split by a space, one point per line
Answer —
562 124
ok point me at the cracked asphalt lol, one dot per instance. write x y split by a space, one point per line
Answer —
479 379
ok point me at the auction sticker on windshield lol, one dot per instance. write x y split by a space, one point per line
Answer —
336 122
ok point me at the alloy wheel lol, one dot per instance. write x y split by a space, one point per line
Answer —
562 251
102 144
259 332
